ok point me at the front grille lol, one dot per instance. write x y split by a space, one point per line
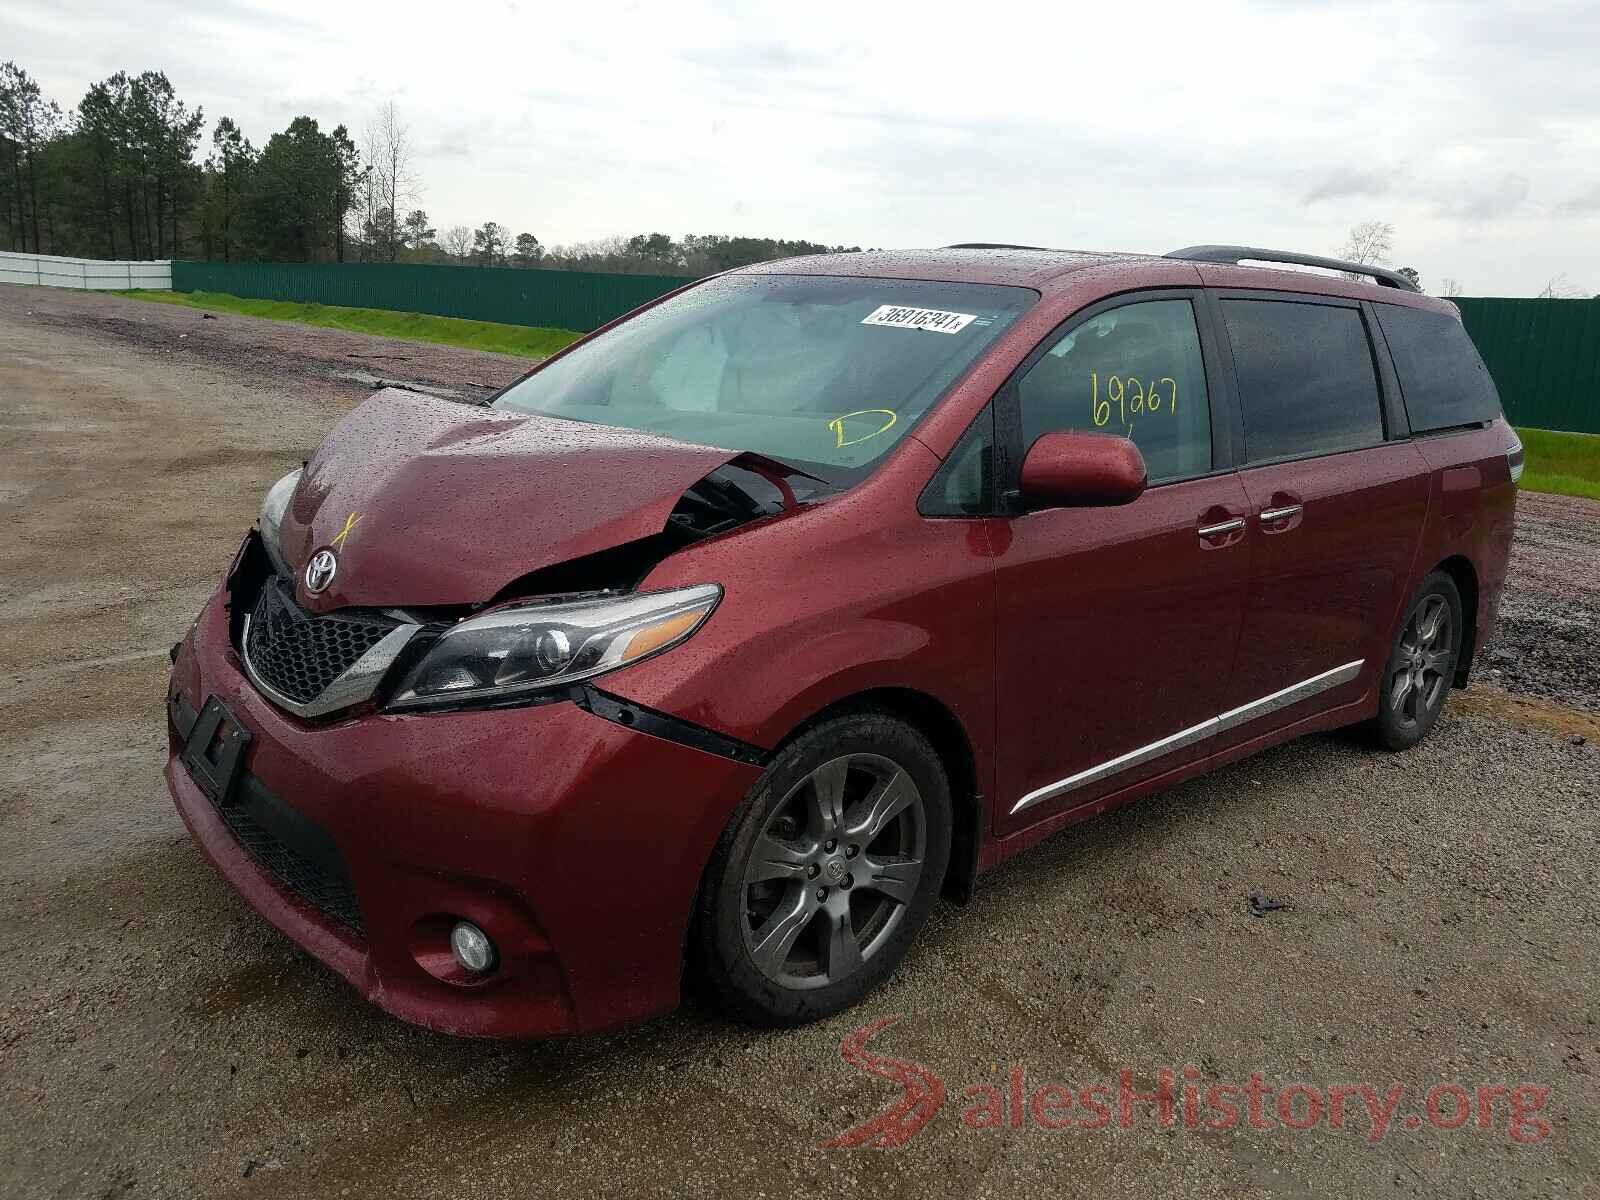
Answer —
298 654
298 854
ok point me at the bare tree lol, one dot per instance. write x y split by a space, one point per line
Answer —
1559 287
1369 244
393 184
457 242
1451 287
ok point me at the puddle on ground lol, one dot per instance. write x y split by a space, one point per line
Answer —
238 989
1526 712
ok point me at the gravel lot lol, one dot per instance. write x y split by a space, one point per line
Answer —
1548 643
158 1039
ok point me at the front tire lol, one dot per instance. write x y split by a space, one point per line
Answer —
1421 666
823 876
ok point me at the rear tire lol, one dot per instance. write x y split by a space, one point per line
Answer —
826 872
1421 666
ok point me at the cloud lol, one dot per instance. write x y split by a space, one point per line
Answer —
889 126
1487 199
1582 204
1344 183
760 56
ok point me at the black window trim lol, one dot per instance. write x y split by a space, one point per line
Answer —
1391 411
1396 419
1009 450
1453 430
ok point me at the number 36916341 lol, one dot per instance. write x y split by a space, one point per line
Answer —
1129 396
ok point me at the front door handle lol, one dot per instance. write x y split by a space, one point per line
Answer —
1221 528
1270 516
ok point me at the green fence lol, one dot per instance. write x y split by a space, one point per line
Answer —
1544 356
550 299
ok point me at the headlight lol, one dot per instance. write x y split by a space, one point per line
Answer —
530 648
272 510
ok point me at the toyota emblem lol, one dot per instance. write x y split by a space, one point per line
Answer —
320 571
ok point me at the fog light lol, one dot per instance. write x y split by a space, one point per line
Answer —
472 947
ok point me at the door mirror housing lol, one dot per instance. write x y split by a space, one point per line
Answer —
1082 470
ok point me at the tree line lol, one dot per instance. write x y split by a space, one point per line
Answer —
695 254
130 172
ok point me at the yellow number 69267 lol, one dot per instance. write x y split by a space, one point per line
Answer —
1099 409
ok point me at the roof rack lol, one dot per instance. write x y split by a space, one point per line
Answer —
990 246
1239 254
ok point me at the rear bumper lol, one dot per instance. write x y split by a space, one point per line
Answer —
577 844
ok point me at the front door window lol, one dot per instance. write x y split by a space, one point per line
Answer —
1135 371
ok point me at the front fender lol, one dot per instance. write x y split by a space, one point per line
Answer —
910 608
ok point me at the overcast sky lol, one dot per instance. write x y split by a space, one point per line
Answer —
1473 128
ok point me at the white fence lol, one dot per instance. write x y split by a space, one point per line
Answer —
51 270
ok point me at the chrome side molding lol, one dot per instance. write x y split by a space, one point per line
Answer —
1184 737
1231 719
1292 694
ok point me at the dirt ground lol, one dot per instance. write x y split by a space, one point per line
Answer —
157 1038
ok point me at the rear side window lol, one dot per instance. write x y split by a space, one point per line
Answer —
1442 379
1307 384
1135 371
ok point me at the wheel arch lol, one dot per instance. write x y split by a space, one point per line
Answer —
932 718
1465 576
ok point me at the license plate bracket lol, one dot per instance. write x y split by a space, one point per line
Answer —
214 753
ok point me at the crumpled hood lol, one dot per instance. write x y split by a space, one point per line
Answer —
428 501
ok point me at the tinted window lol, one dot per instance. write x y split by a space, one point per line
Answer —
827 372
1442 379
1135 371
1306 379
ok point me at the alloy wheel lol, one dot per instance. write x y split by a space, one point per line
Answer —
1420 669
832 873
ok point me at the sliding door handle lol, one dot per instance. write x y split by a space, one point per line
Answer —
1273 515
1221 528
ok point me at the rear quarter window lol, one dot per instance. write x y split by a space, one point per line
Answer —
1442 378
1307 383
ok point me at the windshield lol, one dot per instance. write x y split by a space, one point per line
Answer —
823 372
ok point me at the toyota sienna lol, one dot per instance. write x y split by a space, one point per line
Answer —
719 646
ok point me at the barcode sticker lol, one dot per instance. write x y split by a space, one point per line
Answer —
918 318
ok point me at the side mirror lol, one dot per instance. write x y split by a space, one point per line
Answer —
1089 470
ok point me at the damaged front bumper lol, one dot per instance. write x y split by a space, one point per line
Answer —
574 833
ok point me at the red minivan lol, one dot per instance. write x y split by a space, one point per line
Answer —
720 645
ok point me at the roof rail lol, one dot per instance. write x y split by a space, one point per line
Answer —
989 246
1239 254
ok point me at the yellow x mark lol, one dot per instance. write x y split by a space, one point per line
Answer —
349 524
